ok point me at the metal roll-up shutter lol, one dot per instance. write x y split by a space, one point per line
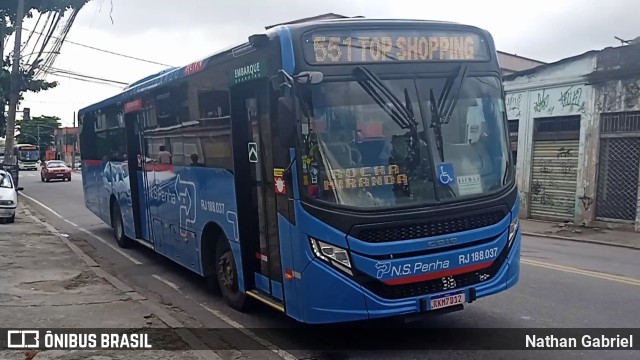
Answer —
554 174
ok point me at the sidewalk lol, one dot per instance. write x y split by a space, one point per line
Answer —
48 282
570 232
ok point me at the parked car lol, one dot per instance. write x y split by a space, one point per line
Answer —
55 169
8 197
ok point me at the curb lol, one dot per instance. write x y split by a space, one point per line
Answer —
581 240
164 316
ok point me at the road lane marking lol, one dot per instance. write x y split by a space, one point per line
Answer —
267 344
43 205
595 274
127 256
167 282
281 353
276 350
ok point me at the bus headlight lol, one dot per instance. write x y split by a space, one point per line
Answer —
331 254
513 229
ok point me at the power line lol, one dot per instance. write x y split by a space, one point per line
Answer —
69 77
108 51
67 74
56 102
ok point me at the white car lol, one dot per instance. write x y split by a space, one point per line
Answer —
8 197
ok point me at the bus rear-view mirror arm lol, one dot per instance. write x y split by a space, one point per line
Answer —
309 77
283 79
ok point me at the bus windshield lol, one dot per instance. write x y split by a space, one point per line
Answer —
359 152
28 155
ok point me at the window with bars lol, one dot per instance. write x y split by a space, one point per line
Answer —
621 122
617 186
557 128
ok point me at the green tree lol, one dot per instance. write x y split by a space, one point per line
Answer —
43 126
8 9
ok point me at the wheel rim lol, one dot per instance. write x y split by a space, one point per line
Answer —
226 271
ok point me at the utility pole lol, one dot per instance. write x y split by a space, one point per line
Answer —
73 143
2 27
14 91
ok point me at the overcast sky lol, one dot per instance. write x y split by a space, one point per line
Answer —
179 32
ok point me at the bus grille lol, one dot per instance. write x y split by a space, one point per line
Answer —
431 228
433 286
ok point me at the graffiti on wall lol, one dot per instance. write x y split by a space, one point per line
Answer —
513 106
586 202
631 94
550 177
571 99
559 101
542 103
539 193
620 95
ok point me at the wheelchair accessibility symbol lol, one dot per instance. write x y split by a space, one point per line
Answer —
445 173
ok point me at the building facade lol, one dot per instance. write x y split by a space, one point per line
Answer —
576 123
67 145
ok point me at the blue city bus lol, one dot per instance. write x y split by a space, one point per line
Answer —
336 170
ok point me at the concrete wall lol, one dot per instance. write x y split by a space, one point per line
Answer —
554 90
617 79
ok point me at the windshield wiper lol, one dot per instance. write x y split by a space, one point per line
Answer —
442 109
379 92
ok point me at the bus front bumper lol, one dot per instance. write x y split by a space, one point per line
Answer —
340 299
27 166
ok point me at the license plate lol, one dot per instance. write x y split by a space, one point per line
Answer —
448 299
60 175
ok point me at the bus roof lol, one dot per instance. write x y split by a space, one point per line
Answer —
150 82
176 73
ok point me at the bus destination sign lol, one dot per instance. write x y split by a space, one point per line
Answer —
344 46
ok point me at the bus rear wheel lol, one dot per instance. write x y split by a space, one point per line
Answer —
118 227
227 273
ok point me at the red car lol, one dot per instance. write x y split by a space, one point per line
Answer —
55 170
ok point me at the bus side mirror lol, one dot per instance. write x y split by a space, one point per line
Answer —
285 121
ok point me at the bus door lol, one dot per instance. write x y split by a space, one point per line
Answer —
137 175
253 165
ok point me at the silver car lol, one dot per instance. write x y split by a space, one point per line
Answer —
8 197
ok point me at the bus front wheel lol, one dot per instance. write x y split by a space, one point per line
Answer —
227 273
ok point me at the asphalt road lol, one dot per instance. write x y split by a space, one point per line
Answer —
562 285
